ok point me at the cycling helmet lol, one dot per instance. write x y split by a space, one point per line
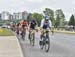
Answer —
24 20
33 20
46 17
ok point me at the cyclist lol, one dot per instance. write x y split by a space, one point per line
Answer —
32 27
24 26
17 28
13 26
45 25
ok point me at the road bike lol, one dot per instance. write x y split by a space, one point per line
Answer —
23 34
31 37
45 41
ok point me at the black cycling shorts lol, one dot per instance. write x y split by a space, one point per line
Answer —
32 27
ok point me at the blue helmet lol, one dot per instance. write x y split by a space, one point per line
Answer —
47 17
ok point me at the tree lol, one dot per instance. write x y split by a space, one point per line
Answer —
50 13
57 21
72 21
29 17
59 13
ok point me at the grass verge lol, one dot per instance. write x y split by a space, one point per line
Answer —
6 32
67 32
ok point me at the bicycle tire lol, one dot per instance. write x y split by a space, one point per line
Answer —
42 43
23 35
32 39
47 44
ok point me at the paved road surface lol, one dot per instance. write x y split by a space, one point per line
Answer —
9 47
62 45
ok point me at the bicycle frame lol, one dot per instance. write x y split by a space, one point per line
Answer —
45 36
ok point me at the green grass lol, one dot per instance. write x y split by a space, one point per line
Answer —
6 32
67 32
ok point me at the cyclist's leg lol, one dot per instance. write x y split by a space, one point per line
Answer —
33 34
22 32
41 34
41 38
30 31
29 34
33 30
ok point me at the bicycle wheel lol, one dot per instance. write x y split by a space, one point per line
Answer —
47 44
42 43
23 35
31 38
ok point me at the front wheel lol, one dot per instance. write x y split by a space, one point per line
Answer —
31 38
41 43
47 44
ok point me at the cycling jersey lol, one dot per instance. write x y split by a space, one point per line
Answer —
24 23
45 25
33 24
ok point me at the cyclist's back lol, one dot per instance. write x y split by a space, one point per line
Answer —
24 23
33 23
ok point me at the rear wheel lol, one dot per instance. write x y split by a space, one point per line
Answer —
23 35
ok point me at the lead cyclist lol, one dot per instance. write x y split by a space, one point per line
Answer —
45 25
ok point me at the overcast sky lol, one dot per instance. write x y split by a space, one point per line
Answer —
68 6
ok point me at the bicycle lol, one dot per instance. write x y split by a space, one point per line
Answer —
45 41
23 33
31 38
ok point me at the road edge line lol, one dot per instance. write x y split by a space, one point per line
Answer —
21 53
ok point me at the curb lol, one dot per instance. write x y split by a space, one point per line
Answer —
21 53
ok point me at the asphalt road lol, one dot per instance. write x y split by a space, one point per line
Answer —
61 45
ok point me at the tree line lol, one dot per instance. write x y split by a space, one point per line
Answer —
57 17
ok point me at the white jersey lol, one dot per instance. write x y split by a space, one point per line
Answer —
42 23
